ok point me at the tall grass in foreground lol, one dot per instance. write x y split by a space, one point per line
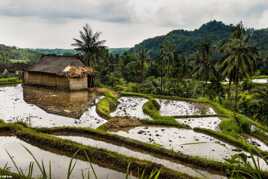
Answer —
251 165
46 173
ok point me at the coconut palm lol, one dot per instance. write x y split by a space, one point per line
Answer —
167 51
204 69
142 57
89 45
240 58
260 103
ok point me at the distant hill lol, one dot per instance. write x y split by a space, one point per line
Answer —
56 51
187 42
74 52
9 55
118 51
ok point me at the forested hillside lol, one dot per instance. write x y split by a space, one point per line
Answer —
10 55
187 42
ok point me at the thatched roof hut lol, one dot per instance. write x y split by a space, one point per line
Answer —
64 72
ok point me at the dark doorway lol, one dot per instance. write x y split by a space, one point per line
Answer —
90 81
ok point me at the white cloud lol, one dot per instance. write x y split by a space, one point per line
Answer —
53 23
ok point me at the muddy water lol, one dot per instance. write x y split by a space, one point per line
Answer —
181 108
186 141
38 109
131 106
202 122
59 163
258 143
260 81
183 140
125 151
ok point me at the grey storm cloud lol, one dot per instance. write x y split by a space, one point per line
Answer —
104 10
123 23
160 12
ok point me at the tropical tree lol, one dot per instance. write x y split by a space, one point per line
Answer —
142 57
89 45
260 103
204 69
167 51
240 58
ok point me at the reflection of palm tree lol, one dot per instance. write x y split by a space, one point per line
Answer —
89 45
240 58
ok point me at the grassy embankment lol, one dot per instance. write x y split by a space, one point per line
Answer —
9 80
109 159
260 77
232 124
107 104
102 157
157 151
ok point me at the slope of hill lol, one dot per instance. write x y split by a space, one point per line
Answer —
9 55
187 42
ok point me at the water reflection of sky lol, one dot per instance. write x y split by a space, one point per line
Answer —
48 108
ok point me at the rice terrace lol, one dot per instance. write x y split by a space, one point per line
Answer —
192 103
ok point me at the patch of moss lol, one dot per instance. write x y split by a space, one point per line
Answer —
151 108
106 105
9 80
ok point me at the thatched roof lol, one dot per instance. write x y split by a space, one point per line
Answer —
70 66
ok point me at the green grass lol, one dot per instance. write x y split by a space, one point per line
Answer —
106 105
9 80
151 108
261 136
260 77
165 123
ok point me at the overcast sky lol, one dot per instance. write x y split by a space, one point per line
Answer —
123 23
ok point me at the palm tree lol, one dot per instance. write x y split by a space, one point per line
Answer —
260 103
240 58
167 51
89 45
204 69
142 57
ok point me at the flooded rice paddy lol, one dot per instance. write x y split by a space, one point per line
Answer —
260 81
142 156
258 143
183 140
186 141
130 106
181 108
48 109
202 122
59 163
